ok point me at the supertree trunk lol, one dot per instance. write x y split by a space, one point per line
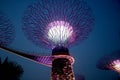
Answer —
62 70
62 64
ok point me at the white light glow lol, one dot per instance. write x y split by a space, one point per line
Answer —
59 32
116 65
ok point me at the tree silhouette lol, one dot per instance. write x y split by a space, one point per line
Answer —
10 70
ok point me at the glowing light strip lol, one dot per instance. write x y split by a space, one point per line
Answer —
59 31
70 58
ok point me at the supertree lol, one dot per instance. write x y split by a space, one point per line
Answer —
56 24
6 30
110 62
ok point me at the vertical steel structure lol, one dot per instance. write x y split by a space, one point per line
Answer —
62 65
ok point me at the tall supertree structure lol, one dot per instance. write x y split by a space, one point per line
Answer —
56 24
110 62
6 30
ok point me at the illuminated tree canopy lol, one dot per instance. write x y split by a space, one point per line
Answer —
110 62
39 16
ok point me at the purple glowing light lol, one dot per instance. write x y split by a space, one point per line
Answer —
110 62
47 60
44 60
42 20
115 65
60 32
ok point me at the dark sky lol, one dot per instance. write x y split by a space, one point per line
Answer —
104 39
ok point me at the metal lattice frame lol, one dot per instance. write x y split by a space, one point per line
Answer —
6 30
75 12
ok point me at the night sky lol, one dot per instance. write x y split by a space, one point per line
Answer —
104 39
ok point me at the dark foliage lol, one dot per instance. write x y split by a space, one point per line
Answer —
10 70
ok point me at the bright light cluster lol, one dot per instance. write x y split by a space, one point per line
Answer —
50 23
59 32
116 65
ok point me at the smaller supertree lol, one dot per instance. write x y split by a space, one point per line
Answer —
6 30
110 62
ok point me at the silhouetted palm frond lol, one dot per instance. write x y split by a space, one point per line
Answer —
10 70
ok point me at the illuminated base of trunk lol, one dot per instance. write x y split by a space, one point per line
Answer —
62 70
